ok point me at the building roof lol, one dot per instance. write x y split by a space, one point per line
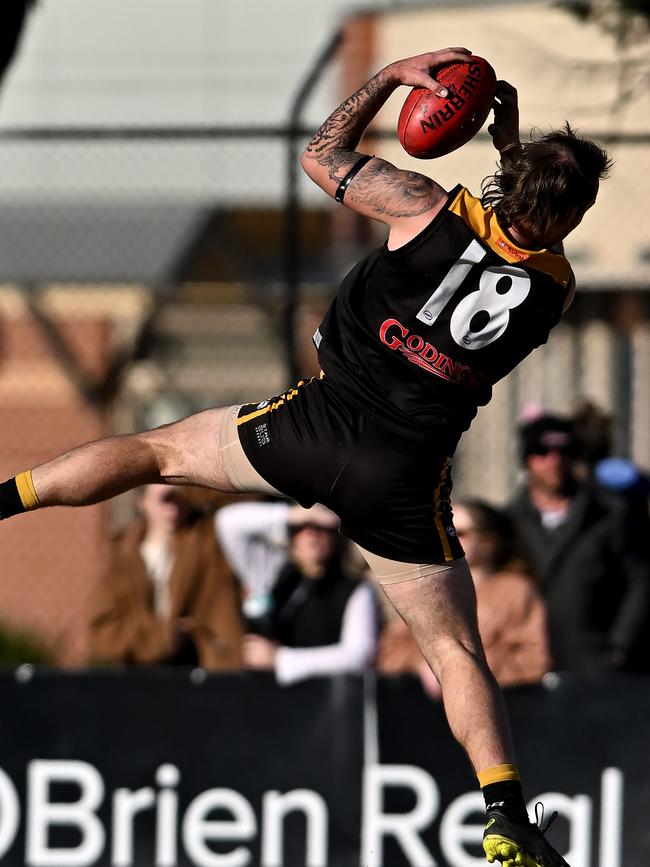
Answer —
98 242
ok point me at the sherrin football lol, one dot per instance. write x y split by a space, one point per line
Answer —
430 126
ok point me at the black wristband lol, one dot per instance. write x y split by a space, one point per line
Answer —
345 183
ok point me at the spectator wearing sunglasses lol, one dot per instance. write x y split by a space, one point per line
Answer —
307 615
593 567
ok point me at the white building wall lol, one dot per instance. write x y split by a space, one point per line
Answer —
169 63
160 62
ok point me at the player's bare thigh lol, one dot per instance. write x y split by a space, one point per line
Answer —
204 449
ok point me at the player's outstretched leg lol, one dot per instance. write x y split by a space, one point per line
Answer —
185 452
440 610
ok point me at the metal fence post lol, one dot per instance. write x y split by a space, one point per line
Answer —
293 244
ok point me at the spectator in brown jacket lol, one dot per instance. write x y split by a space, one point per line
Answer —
169 597
511 612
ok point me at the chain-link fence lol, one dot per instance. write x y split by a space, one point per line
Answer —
147 274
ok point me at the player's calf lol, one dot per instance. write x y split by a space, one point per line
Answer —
88 474
185 452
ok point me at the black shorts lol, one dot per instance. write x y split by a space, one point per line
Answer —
392 494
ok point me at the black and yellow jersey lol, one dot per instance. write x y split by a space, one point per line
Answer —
418 336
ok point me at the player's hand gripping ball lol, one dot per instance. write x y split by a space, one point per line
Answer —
430 126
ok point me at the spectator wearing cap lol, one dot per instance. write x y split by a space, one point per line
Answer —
308 616
593 568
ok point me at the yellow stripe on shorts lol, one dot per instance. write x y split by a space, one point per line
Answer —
437 511
288 395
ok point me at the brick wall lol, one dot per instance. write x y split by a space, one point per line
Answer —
48 560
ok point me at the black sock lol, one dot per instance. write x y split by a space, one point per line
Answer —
507 796
10 502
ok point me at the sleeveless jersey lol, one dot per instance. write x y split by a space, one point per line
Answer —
419 335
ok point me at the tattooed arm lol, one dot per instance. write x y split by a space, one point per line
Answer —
379 190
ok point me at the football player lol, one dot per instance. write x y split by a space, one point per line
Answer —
463 289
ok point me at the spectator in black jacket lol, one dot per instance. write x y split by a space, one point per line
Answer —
593 565
307 615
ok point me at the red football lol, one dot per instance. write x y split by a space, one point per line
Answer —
430 126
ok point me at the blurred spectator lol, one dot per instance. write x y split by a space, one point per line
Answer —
511 612
592 429
170 597
311 616
592 561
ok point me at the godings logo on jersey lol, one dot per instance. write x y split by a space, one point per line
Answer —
417 350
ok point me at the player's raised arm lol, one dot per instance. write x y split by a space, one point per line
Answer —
505 128
377 188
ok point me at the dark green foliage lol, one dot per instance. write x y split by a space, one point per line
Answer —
641 7
18 647
589 9
582 9
627 20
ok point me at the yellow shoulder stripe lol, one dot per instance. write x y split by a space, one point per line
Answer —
483 223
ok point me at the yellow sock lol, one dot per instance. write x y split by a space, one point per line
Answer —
501 788
497 774
26 491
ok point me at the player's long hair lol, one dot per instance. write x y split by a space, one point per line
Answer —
548 180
